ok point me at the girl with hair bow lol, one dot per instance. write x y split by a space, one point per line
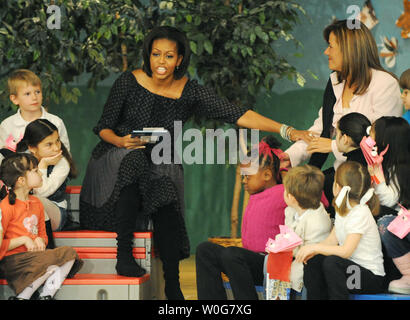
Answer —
350 259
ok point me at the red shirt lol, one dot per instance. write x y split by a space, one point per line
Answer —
24 218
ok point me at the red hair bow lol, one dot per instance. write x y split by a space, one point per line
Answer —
265 149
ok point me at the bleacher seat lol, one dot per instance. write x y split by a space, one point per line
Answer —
97 280
380 296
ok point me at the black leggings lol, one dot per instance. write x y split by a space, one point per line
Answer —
334 278
243 267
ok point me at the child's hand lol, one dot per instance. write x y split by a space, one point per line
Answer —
319 144
29 244
305 253
39 242
50 161
376 170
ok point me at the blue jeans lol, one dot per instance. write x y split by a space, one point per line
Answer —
395 247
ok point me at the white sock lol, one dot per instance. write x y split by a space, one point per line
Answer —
55 281
28 292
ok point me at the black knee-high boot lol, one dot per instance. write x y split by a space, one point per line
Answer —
127 209
49 232
166 238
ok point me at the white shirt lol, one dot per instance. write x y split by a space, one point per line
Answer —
368 253
313 226
13 127
54 180
382 98
388 194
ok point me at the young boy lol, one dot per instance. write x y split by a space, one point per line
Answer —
305 214
405 96
25 92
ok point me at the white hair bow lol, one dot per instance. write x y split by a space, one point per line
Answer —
366 197
342 194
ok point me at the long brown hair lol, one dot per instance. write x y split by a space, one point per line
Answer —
360 54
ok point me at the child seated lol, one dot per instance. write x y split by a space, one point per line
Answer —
393 174
305 214
25 92
261 220
350 259
24 259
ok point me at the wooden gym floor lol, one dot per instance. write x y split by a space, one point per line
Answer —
187 277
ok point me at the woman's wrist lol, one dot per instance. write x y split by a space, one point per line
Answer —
286 131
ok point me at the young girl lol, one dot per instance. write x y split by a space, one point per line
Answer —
350 130
261 220
394 173
41 138
25 262
350 260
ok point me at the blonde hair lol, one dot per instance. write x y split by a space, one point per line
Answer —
305 183
405 80
18 77
360 54
357 177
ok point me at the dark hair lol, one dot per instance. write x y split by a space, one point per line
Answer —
395 132
359 51
37 131
12 168
173 34
266 161
404 81
354 125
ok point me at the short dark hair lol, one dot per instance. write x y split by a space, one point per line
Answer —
404 81
173 34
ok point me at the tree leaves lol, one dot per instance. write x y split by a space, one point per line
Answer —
232 42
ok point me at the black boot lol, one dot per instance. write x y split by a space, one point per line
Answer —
166 239
171 276
49 231
126 211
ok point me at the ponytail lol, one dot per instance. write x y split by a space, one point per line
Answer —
355 181
11 169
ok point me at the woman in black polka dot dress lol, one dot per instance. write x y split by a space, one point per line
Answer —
122 188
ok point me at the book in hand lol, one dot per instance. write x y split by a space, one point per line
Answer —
149 135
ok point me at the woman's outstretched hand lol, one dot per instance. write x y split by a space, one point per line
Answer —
319 144
305 135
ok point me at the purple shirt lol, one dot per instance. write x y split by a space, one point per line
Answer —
262 217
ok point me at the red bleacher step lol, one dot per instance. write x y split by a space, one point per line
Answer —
99 279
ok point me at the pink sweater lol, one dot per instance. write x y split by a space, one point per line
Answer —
262 217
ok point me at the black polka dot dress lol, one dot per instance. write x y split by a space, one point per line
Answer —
132 107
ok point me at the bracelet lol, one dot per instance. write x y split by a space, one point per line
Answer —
285 132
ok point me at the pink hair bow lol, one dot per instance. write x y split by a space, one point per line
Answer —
265 149
369 149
